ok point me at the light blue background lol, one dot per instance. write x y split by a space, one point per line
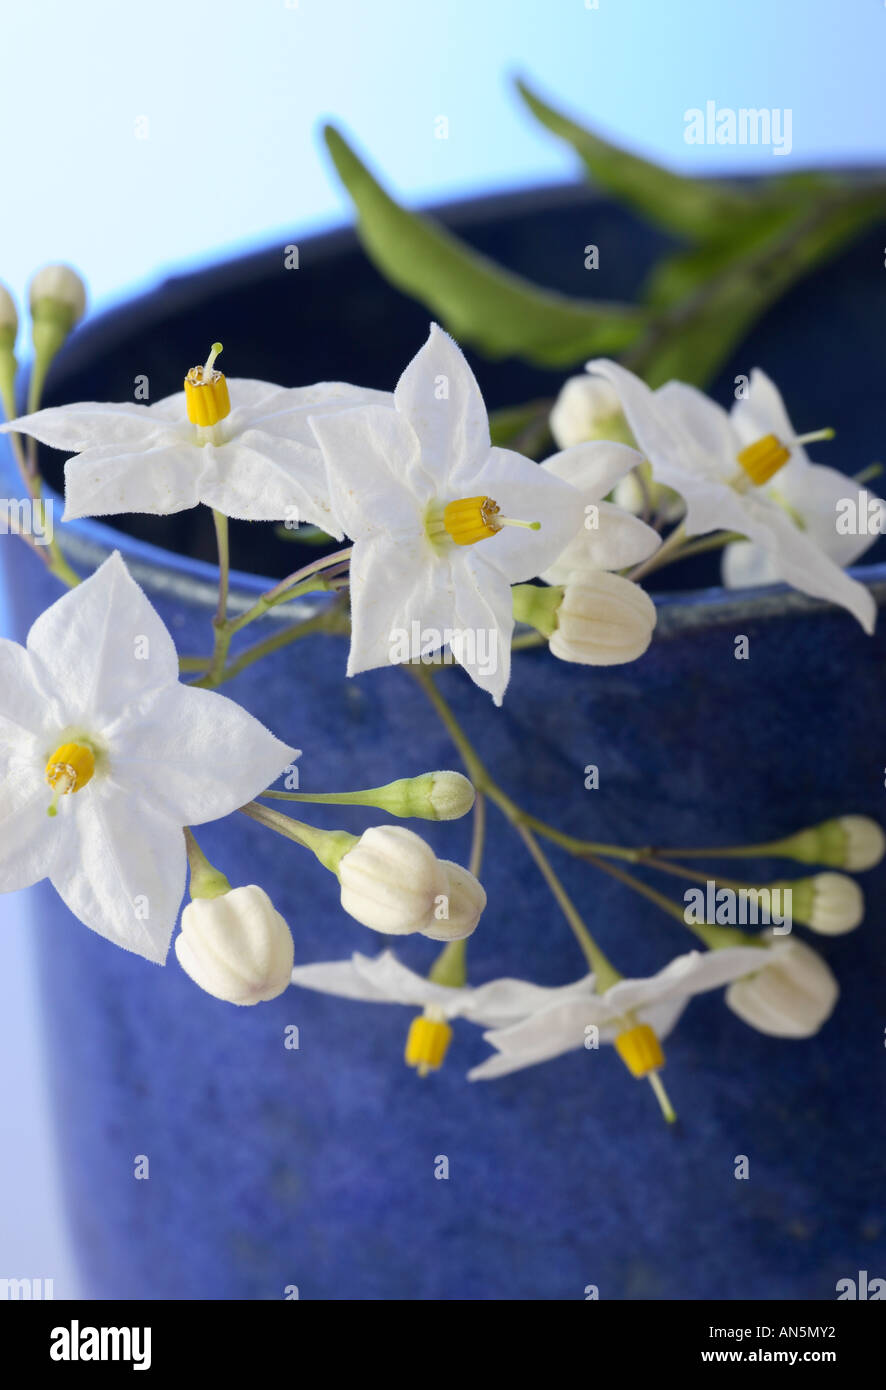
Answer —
233 91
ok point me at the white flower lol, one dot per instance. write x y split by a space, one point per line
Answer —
791 996
60 285
430 504
808 493
588 408
729 469
385 980
656 1002
392 881
95 726
609 537
236 946
604 620
254 458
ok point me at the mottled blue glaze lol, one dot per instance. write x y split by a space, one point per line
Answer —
271 1167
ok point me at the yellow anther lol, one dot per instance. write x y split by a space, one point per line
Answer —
68 770
206 392
640 1050
427 1043
762 459
472 519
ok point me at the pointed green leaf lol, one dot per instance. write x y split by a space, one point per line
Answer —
481 304
694 208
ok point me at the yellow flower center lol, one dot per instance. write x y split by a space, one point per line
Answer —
427 1043
640 1050
470 519
69 769
762 459
206 392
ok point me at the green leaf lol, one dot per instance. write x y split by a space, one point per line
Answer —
693 208
494 310
692 339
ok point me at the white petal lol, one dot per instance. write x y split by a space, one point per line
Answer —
284 412
482 621
121 868
593 468
545 1034
505 1001
439 396
802 564
692 973
22 703
814 493
371 455
90 424
29 837
257 477
693 415
525 491
618 541
402 601
102 646
762 412
746 565
194 754
159 479
397 984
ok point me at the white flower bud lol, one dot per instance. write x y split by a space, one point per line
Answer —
452 795
392 880
61 285
588 408
236 946
789 998
465 901
604 620
837 904
638 490
865 842
8 314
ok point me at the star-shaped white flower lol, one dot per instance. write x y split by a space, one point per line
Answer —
808 492
383 979
657 1001
258 461
431 507
104 757
729 470
609 538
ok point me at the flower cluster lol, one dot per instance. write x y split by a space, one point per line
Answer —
108 759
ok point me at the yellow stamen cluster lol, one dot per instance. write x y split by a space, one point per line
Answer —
427 1043
471 519
68 770
762 459
206 392
640 1050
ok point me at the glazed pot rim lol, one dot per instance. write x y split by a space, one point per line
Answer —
87 542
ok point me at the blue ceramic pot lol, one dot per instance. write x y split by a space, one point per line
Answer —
272 1167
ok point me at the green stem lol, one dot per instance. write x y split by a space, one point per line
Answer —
290 587
329 846
604 971
224 565
713 936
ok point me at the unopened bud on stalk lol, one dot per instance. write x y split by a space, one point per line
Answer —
828 903
236 946
588 408
8 319
57 298
600 619
791 997
846 842
392 882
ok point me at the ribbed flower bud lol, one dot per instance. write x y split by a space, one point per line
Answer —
828 903
791 997
588 408
465 900
392 881
846 842
236 946
57 291
604 620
